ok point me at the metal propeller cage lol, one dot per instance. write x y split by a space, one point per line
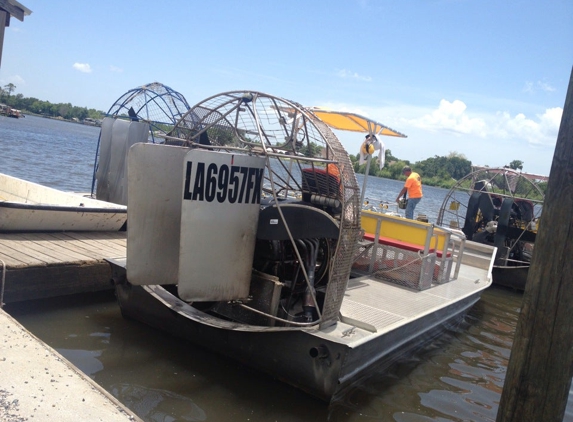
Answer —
303 158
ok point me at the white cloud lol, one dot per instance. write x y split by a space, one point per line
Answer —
14 79
115 69
533 87
18 80
486 138
83 67
541 131
343 73
544 86
451 116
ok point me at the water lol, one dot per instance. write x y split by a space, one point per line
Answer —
54 153
458 377
381 191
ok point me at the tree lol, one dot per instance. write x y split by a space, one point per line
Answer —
10 88
516 165
312 149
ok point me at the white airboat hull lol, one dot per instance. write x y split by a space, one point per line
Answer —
379 322
30 207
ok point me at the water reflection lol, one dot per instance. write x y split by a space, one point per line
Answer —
156 375
157 405
457 377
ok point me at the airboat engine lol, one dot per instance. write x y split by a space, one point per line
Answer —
219 243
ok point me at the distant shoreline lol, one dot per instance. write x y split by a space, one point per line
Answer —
94 123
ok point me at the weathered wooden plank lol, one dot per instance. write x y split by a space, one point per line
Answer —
12 257
55 280
111 245
114 240
27 248
13 9
45 241
84 250
97 243
45 254
42 265
20 249
539 372
118 237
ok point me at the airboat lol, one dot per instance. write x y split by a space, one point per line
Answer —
244 236
139 115
499 207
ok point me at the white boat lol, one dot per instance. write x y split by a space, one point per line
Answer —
31 207
253 248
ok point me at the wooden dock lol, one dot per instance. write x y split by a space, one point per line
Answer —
42 265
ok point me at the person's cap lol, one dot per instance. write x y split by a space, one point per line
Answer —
406 168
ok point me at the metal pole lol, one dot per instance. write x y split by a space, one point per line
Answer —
365 180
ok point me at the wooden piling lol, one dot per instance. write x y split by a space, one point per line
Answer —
539 373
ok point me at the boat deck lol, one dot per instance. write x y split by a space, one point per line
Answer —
373 307
42 265
380 306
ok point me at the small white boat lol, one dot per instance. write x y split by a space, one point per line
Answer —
31 207
253 248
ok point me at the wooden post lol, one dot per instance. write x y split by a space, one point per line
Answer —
540 367
4 18
7 9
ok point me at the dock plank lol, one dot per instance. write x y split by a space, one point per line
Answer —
43 265
84 246
15 258
43 252
105 245
19 243
56 247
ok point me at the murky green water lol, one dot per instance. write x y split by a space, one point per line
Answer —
458 377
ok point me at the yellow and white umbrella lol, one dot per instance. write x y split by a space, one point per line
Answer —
342 120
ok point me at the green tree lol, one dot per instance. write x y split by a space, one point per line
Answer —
310 150
9 88
45 108
389 157
516 165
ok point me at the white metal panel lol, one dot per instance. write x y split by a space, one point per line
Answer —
117 136
219 216
154 213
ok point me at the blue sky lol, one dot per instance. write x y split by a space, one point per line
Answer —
486 79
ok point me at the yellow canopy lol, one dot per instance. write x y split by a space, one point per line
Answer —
353 122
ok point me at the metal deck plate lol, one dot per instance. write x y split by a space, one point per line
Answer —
384 305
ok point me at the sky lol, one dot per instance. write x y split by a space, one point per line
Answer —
486 79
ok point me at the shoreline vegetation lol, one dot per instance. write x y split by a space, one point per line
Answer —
439 171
